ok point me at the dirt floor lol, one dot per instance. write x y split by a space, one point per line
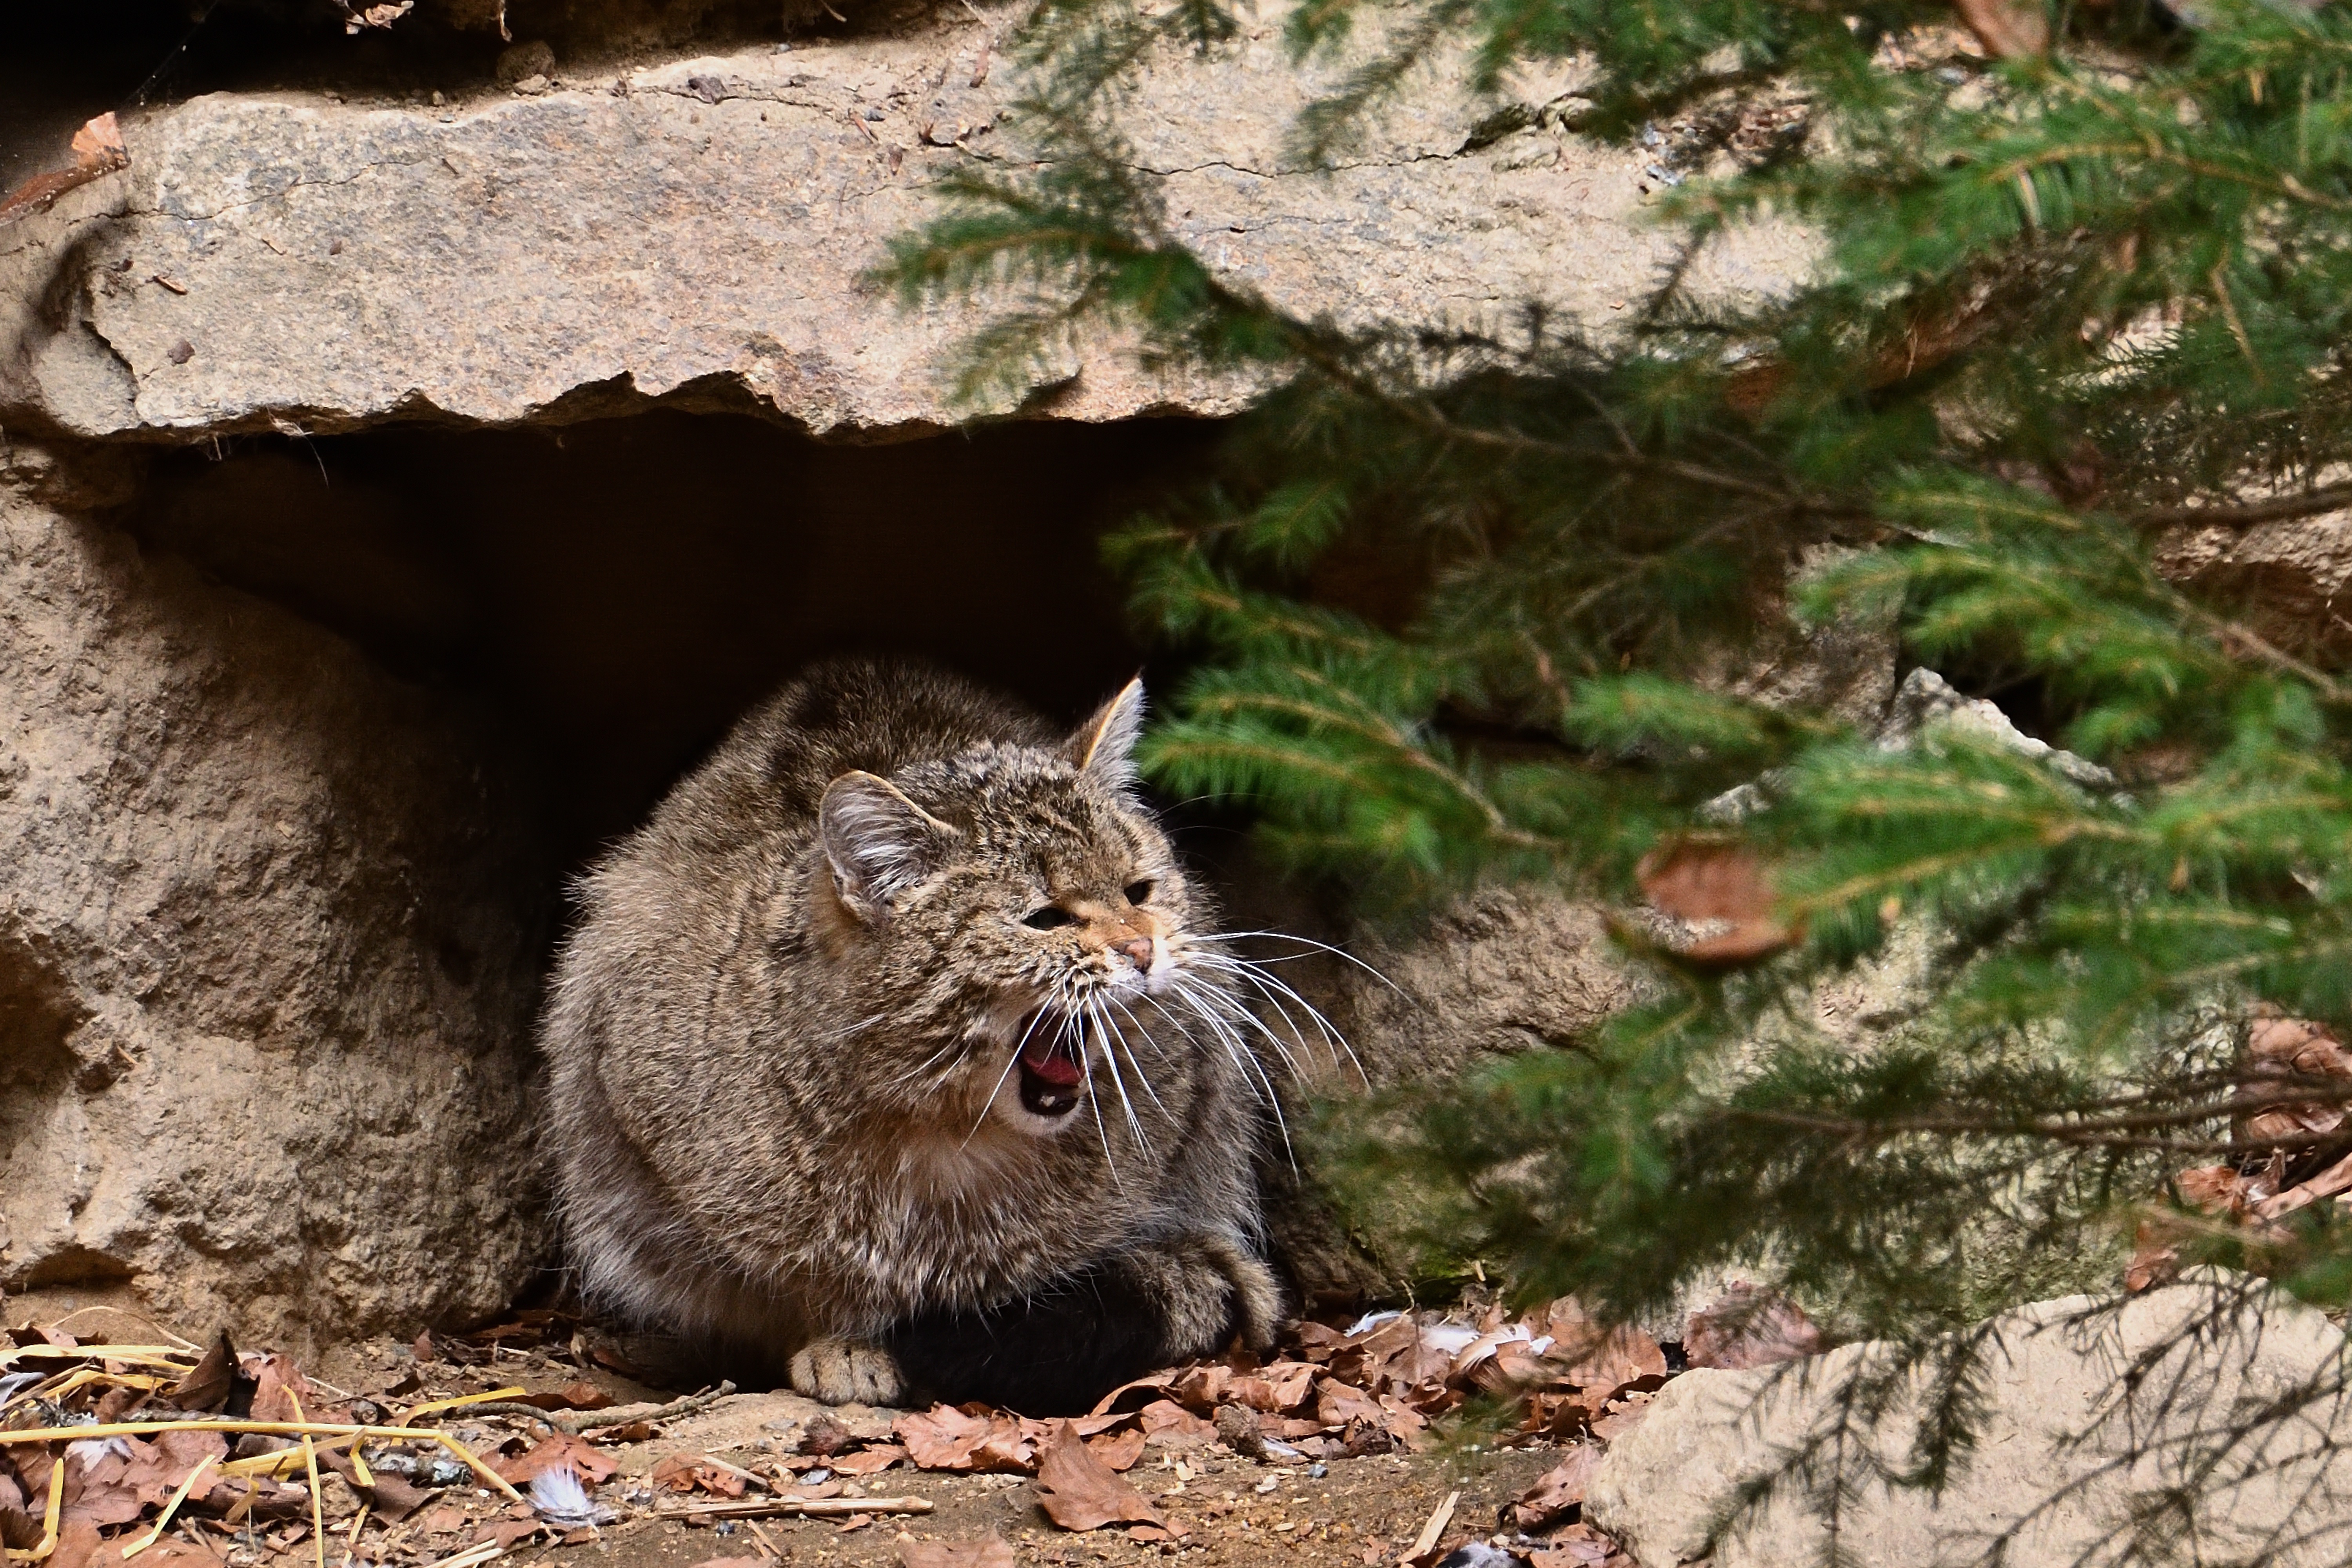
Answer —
1337 1486
1362 1511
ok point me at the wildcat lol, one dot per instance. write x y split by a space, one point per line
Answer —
894 1050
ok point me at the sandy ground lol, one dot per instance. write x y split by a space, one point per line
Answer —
1362 1510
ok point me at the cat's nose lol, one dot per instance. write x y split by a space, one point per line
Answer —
1138 950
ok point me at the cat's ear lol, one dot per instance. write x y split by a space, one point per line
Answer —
1104 744
879 842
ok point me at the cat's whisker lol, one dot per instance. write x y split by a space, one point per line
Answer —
1339 953
1094 1104
1012 1059
1110 1060
1159 1053
1135 1061
1334 1042
1238 1049
1242 1014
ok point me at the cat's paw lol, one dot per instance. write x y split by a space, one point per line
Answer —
843 1372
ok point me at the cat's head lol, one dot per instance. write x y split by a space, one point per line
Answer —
1024 901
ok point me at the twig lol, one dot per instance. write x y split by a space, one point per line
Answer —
811 1507
1426 1542
473 1556
2245 513
573 1425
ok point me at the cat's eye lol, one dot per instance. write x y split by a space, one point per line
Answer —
1048 918
1137 892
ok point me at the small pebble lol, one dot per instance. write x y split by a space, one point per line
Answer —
181 352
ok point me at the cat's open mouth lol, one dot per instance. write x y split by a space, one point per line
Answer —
1050 1076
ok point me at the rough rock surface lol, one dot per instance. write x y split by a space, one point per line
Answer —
265 986
699 229
1496 972
2292 575
2072 1460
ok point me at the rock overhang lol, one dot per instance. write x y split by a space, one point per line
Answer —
702 231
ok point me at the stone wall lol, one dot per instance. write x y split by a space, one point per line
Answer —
270 928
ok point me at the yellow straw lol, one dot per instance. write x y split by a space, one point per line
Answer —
269 1429
164 1521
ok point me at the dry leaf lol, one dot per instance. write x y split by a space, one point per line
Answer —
2293 1050
1602 1361
1119 1450
98 150
2008 29
1720 890
18 1528
157 1467
1556 1492
625 1432
947 1438
1747 1327
1622 1417
1578 1546
279 1386
993 1553
206 1385
564 1451
1078 1492
869 1460
570 1396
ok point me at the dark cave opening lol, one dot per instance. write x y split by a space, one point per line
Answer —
617 591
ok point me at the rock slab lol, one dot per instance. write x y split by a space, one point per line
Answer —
268 955
700 229
2208 1421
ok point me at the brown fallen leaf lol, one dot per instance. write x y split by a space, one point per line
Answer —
1078 1492
97 1495
570 1396
2008 29
2290 1054
1424 1545
156 1468
971 1439
98 150
1720 889
562 1452
870 1460
279 1388
1578 1546
507 1532
1603 1361
1556 1492
855 1521
1622 1417
18 1528
394 1499
80 1546
993 1553
206 1385
1117 1450
1747 1327
625 1432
